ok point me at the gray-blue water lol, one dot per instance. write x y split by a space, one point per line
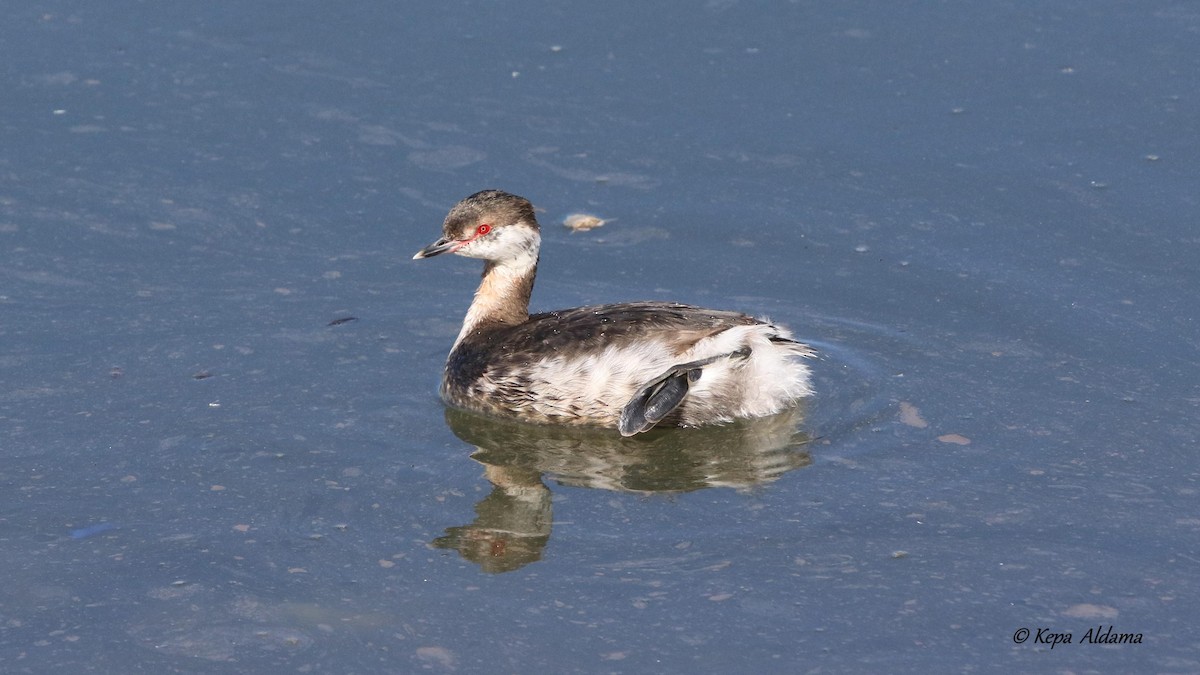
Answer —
983 215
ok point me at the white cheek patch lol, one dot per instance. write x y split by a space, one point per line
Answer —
514 246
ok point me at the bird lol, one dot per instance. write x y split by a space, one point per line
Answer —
632 365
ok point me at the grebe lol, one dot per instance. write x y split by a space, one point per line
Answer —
630 365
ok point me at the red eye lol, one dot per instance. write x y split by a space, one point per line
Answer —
482 230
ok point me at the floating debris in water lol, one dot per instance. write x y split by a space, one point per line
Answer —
202 375
92 530
582 222
911 416
957 439
344 319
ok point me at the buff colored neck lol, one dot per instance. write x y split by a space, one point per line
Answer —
503 295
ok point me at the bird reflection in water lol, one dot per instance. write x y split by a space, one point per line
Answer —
512 523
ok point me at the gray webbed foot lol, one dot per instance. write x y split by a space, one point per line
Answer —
657 399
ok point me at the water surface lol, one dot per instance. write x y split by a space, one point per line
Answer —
982 217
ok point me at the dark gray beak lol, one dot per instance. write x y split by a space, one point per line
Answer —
436 248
